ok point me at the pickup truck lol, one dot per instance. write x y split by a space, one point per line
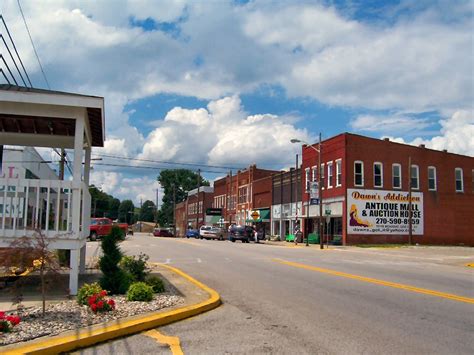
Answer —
102 226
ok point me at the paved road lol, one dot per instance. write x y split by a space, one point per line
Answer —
286 300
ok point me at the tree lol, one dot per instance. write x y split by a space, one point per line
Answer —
126 212
103 204
113 279
147 211
176 182
32 253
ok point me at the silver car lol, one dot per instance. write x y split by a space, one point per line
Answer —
210 232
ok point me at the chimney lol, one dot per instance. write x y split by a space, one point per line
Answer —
421 146
445 150
386 139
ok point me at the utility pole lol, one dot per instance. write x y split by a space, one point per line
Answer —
409 202
174 209
61 164
156 207
230 200
199 185
320 188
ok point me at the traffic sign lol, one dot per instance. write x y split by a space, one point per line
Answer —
327 212
255 215
314 201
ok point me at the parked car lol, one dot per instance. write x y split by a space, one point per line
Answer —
100 227
210 232
192 233
162 232
243 233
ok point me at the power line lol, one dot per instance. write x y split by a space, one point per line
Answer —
13 59
8 68
6 78
168 162
32 43
14 47
147 167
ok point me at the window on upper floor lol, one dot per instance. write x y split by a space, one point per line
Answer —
358 173
243 194
415 177
396 176
431 178
330 174
315 173
307 179
338 172
378 174
459 180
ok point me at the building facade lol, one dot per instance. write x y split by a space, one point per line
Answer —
180 219
246 197
286 210
369 186
198 201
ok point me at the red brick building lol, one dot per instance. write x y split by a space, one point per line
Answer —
246 197
365 184
180 219
197 204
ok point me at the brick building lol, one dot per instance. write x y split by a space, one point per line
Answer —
286 202
197 203
365 192
246 197
180 219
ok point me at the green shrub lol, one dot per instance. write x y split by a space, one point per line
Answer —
135 266
140 291
156 283
86 291
113 279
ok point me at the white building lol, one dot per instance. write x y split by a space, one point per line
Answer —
45 118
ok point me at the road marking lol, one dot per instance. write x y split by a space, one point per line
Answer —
188 242
172 342
379 282
168 261
199 260
470 265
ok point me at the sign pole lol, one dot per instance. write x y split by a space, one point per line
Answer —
321 246
410 227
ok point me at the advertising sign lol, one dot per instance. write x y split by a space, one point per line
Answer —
314 190
383 212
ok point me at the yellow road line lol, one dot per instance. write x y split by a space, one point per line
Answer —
470 265
172 342
379 282
188 242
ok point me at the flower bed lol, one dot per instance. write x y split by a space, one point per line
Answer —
69 315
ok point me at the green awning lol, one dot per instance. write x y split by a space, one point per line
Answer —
264 216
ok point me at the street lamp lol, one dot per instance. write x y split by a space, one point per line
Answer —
320 192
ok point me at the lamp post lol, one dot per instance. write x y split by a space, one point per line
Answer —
320 192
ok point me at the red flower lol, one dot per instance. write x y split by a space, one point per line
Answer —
2 315
111 303
94 308
100 304
92 299
103 293
14 320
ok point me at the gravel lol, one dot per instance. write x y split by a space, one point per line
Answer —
69 315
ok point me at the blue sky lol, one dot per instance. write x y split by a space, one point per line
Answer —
229 83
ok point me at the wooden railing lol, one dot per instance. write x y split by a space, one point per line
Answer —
28 205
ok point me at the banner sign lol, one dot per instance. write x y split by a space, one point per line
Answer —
383 212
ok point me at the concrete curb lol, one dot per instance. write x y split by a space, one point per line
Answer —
95 334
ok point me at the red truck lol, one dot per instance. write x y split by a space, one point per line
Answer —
102 226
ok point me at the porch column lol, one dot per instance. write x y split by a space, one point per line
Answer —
87 164
74 273
76 200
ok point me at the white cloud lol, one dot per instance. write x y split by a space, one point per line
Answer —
221 134
396 124
457 135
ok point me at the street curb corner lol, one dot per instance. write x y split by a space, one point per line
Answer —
92 335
